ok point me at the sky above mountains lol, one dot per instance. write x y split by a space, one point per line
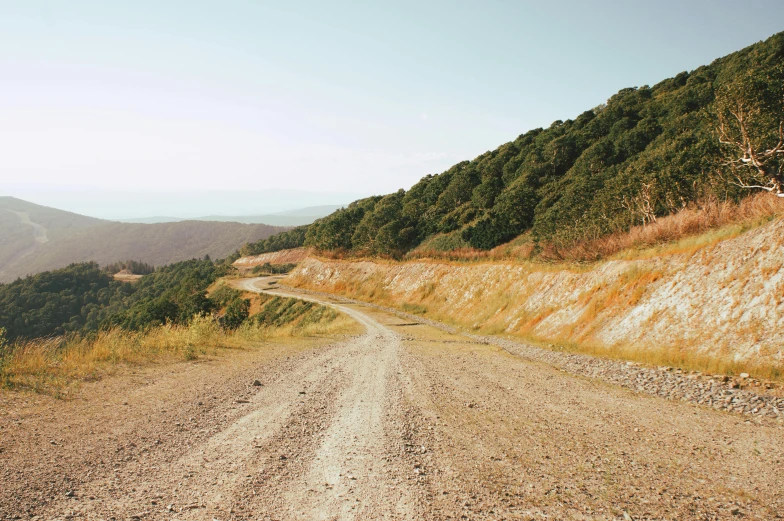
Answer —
346 98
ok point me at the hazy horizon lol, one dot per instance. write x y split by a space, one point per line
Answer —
186 204
138 103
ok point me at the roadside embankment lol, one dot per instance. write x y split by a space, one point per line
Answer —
292 256
719 308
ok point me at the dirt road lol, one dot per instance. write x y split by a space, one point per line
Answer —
404 421
39 232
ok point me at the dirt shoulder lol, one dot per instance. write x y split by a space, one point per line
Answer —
51 450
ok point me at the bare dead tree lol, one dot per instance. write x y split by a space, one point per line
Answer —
747 114
751 158
642 204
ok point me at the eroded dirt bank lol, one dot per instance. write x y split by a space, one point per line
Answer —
726 300
402 422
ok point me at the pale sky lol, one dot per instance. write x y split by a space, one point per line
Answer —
340 98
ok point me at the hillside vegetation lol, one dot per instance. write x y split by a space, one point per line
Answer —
72 238
82 298
76 322
648 152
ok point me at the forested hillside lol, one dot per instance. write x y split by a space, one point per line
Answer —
83 298
647 152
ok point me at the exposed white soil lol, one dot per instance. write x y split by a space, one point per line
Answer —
291 256
725 300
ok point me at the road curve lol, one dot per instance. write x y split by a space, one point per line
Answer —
403 421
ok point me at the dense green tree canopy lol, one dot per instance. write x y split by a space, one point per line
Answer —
647 152
83 298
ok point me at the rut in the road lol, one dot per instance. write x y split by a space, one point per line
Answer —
354 470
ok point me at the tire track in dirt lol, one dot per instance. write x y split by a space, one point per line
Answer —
356 468
322 441
206 477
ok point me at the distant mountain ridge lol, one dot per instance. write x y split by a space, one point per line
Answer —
35 238
297 217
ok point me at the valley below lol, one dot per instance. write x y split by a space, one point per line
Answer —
404 420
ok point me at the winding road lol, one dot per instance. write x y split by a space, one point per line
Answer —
403 421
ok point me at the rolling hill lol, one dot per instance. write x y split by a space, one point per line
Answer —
36 238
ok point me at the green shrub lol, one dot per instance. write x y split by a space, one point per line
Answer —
236 313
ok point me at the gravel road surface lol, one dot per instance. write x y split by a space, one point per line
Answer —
403 421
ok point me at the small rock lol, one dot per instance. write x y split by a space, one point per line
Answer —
302 392
70 493
256 383
744 375
735 511
242 401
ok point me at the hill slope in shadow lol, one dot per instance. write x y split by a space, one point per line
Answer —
36 238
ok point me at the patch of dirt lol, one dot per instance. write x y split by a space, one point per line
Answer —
126 276
292 256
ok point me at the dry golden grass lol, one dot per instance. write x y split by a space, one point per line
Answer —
491 308
683 357
54 364
489 313
703 223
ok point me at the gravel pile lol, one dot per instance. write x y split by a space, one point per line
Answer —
719 392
